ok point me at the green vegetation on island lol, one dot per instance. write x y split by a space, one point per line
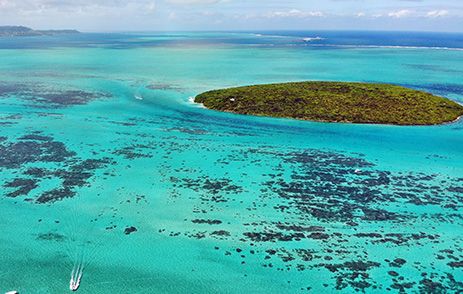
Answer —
336 102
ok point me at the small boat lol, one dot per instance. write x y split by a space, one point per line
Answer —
76 276
12 292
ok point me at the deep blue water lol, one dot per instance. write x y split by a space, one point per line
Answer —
269 38
367 38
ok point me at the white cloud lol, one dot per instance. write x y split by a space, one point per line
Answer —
400 13
234 14
294 13
193 1
437 13
96 8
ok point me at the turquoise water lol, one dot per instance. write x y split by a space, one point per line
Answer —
105 160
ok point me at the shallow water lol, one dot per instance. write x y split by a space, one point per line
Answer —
103 157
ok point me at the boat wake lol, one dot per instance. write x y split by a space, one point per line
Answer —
82 241
76 276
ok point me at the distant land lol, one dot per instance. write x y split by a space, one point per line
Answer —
21 31
336 102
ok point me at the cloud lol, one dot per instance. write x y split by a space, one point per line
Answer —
189 2
294 13
125 15
69 8
400 13
437 13
59 5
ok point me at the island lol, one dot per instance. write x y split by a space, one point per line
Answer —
350 102
21 31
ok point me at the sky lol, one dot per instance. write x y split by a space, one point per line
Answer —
172 15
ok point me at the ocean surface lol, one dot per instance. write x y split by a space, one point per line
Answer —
106 164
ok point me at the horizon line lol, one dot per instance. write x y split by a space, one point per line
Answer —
241 30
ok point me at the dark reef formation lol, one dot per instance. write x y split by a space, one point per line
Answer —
37 149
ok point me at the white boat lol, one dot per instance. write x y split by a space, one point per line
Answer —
12 292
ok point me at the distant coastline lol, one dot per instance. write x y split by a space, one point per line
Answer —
22 31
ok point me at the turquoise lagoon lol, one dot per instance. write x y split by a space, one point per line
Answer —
105 161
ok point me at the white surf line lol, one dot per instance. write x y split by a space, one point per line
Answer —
191 101
385 47
458 118
310 39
